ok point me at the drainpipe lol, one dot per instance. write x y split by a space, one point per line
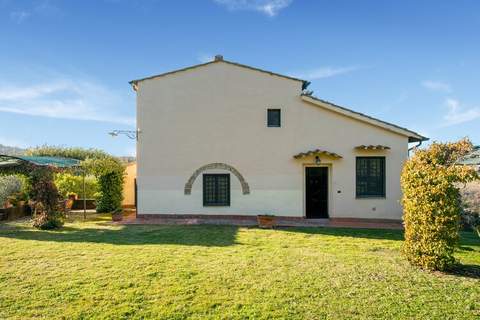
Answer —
414 147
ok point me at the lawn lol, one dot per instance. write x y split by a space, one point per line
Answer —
94 269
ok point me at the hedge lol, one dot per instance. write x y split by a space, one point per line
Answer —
432 203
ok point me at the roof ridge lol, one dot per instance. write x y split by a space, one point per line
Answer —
305 82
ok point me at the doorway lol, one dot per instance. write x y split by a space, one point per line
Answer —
316 192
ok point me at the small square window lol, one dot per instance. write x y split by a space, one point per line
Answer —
273 118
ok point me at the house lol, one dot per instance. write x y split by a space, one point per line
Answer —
222 138
472 159
129 185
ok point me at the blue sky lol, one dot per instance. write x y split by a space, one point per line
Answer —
65 65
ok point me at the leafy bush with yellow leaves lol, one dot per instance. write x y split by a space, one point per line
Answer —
432 203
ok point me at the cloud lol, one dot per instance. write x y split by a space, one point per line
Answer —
268 7
436 86
324 72
456 115
65 98
19 16
42 8
47 9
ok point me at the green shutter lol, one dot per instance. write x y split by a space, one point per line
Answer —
370 177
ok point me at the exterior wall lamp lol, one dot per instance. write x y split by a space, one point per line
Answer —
131 134
317 160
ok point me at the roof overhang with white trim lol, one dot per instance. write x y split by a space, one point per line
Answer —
412 136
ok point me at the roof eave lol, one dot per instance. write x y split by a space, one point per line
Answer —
412 136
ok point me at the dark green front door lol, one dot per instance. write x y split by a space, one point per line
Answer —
316 192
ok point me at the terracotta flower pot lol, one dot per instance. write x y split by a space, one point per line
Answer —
117 217
266 221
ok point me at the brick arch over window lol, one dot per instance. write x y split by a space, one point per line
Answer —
222 166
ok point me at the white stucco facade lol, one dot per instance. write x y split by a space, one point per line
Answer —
217 113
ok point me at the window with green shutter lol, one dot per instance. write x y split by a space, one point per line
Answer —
370 177
216 190
273 118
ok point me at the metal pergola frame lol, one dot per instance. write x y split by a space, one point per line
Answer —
9 161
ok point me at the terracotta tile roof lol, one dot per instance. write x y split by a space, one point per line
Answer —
317 152
372 147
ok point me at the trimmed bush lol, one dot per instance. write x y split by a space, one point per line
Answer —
432 204
110 199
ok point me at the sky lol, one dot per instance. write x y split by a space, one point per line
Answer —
65 65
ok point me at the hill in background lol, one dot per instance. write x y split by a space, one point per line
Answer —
11 151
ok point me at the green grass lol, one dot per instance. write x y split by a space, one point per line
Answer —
96 270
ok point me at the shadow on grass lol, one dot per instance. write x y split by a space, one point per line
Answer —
465 270
379 234
467 239
209 236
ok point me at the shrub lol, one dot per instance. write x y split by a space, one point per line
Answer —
43 188
9 186
44 194
68 183
110 198
432 205
47 220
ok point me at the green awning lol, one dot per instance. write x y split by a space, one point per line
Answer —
58 162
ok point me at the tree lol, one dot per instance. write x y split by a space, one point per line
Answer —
432 204
45 197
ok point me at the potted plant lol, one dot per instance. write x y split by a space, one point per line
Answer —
72 196
266 221
18 199
117 215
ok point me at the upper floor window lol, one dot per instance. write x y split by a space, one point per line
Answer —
273 118
370 177
216 190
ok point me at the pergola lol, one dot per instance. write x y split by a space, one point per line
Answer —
8 162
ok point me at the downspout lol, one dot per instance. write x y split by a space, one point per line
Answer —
414 147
